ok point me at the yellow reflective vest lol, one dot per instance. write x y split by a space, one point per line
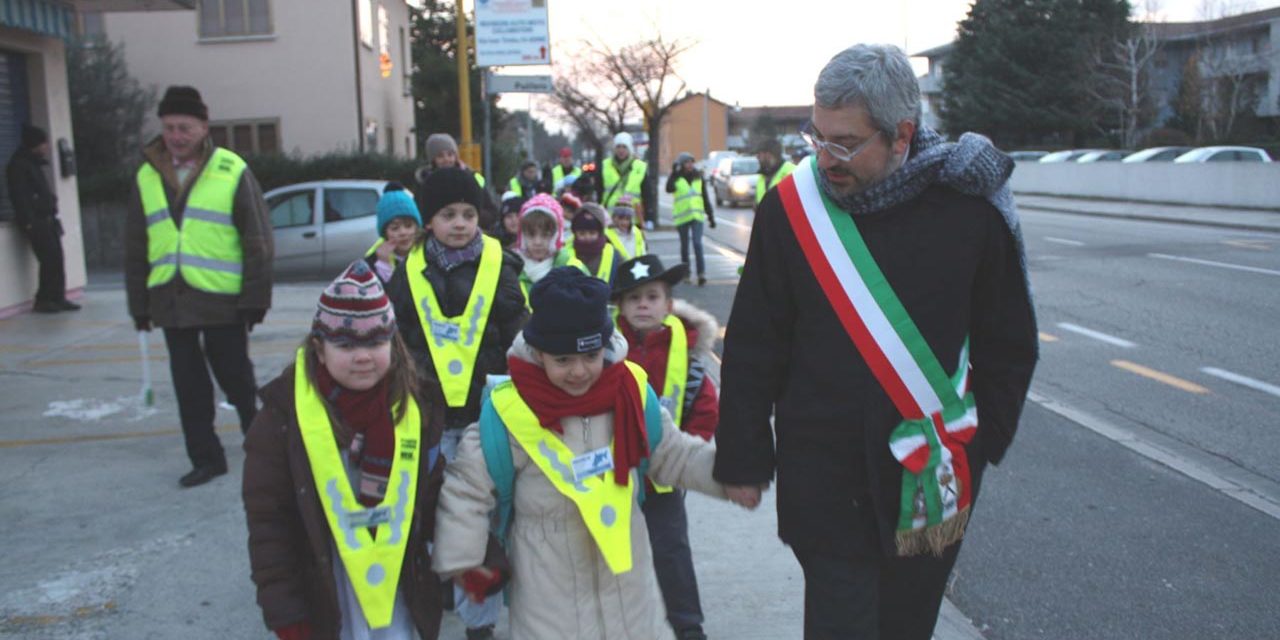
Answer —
372 563
454 341
615 186
605 506
558 184
640 247
206 249
603 272
688 205
782 172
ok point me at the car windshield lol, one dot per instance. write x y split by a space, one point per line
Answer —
745 165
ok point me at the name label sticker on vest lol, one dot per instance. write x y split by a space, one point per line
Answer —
593 463
366 518
445 331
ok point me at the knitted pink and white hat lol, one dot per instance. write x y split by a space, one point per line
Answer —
546 205
354 309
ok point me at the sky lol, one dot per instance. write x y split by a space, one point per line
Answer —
757 53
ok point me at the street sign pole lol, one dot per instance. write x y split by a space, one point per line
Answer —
487 80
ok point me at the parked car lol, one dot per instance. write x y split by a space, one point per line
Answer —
1066 155
1027 156
712 162
735 182
1224 154
1111 155
1156 154
321 227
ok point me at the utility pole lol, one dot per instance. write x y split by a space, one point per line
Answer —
466 147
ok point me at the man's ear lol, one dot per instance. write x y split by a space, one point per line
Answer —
906 133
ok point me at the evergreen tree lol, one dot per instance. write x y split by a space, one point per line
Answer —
108 108
1019 72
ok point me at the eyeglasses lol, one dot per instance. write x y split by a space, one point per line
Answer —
838 151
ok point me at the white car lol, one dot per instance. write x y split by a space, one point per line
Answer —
1102 156
1224 154
321 227
1156 154
1067 155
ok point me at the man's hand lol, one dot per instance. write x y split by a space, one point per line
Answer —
251 317
746 496
142 323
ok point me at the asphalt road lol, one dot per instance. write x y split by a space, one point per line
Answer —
1141 497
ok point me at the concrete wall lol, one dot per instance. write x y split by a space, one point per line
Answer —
1227 184
50 110
682 130
303 74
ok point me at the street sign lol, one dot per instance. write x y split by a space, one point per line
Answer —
512 32
519 84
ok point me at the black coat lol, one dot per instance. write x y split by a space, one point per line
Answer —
506 318
952 261
34 201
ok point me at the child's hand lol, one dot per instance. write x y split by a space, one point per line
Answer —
385 251
747 496
480 583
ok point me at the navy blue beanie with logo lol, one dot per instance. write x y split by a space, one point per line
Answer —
570 313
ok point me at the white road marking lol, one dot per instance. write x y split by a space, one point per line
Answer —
1243 380
1211 263
1096 335
1126 438
1071 243
720 221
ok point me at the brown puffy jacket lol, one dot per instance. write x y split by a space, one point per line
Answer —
291 550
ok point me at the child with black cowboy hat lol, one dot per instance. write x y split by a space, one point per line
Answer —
578 422
671 340
458 302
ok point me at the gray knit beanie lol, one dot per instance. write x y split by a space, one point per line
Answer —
438 143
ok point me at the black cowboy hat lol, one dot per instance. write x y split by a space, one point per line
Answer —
644 269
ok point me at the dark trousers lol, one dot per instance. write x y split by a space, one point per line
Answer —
226 350
693 229
46 243
865 596
672 559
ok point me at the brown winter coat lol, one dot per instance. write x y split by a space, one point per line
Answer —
176 304
560 585
291 550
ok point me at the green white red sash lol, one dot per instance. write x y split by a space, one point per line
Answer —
939 415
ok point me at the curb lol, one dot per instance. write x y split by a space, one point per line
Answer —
1150 218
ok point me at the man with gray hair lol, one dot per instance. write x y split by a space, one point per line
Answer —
884 320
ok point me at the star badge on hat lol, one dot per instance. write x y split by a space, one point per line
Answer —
639 270
644 269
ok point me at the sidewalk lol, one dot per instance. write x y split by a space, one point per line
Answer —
1251 219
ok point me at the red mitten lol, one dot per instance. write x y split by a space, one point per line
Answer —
295 631
480 583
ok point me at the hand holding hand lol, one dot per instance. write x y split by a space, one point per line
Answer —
746 496
296 631
480 583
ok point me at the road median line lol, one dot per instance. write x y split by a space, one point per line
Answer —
1159 376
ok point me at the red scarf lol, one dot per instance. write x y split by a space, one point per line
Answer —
368 415
616 391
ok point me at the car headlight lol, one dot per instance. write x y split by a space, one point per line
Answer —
741 186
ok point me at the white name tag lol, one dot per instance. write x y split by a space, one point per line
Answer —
366 518
445 331
593 463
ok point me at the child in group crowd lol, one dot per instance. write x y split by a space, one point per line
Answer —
579 426
459 306
570 203
509 220
589 249
626 238
341 479
539 239
398 224
670 338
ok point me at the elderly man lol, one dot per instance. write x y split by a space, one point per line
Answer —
198 251
884 319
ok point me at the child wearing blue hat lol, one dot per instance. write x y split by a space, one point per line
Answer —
398 224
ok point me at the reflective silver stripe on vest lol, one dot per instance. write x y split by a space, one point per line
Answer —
211 264
156 217
691 194
205 215
167 259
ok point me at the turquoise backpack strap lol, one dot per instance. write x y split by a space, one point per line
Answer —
497 458
652 425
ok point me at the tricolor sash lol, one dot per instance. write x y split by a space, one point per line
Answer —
939 415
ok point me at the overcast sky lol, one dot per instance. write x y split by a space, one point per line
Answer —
769 52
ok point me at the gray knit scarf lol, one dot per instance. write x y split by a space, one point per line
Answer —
447 259
972 166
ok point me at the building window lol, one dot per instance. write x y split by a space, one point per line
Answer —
235 18
365 7
247 137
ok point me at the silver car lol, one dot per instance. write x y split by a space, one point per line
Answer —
321 227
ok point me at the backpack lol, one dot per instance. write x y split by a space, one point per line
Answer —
497 452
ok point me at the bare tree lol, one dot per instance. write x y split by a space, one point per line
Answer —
1231 70
595 107
1122 79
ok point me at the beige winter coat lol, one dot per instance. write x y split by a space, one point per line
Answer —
560 586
